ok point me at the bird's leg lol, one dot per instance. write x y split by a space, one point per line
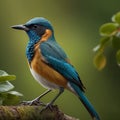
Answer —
43 94
36 101
60 92
51 103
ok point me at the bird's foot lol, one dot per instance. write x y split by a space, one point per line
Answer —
48 106
33 102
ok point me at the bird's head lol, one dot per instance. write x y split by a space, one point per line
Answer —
35 27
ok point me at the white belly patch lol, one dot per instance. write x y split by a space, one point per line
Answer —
45 83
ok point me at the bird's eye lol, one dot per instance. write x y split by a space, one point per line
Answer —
35 26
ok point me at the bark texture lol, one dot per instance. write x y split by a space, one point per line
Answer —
27 112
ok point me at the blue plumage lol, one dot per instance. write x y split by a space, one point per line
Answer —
41 31
86 102
51 48
40 21
34 38
65 69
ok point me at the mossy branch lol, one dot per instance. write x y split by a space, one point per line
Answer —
26 112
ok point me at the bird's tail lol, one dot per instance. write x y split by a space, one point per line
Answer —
88 106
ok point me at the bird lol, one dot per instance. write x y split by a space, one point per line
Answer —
50 65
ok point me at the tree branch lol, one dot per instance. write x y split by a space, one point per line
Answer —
27 112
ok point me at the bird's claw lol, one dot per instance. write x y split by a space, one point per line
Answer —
48 106
33 102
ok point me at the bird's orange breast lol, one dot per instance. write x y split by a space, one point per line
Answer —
39 66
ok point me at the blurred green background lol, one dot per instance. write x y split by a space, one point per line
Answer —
76 24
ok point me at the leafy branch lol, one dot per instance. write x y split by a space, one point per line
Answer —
7 96
110 36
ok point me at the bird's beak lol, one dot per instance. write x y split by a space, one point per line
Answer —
20 27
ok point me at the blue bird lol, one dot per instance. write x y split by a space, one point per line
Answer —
50 65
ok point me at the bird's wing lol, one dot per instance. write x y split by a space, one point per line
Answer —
55 57
52 49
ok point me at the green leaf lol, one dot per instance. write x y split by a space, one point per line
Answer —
104 40
116 18
5 86
10 99
108 29
99 61
118 57
15 93
102 44
3 73
116 42
5 77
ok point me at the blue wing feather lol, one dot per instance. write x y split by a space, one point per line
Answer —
51 48
56 58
